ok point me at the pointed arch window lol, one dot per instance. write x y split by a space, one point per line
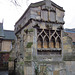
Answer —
52 42
50 39
46 42
58 43
40 42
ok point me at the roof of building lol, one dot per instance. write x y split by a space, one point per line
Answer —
9 35
6 34
70 30
72 35
43 2
1 30
32 5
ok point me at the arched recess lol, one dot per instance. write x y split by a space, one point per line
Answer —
40 42
52 42
58 43
46 42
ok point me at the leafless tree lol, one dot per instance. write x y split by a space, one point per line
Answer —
17 2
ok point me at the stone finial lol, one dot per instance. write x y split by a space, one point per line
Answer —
48 3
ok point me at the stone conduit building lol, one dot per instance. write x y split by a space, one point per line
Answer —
42 45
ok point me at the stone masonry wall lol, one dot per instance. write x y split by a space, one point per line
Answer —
6 46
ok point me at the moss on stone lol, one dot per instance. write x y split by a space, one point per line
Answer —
13 42
30 30
29 44
26 30
11 59
17 36
28 57
69 57
21 63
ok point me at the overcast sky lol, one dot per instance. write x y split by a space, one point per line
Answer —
9 13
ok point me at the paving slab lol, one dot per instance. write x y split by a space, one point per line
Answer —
3 72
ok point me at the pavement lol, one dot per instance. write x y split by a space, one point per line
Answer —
3 72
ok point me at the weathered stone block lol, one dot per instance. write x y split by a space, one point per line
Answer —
52 16
59 15
44 15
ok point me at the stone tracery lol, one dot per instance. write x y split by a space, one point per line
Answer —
48 39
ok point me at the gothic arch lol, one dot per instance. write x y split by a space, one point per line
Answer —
46 42
40 42
52 42
58 43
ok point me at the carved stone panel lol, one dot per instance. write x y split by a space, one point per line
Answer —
44 15
59 15
52 16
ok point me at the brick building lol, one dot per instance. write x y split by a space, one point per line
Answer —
6 38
